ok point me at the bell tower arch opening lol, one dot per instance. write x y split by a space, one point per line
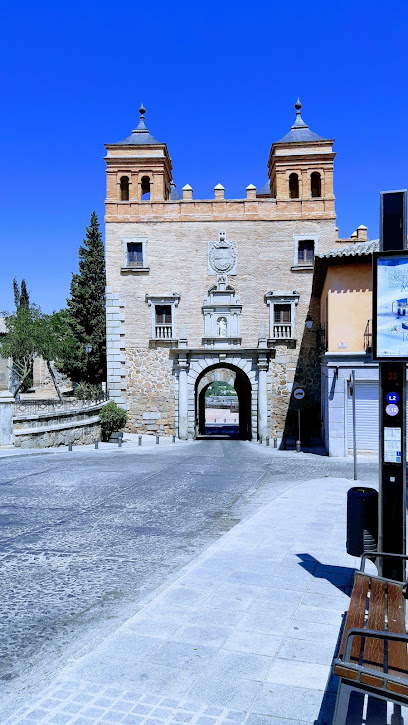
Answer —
231 378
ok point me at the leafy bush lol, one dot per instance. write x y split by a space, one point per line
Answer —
112 418
86 391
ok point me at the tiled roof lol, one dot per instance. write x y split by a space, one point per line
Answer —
175 194
353 250
300 131
140 136
266 189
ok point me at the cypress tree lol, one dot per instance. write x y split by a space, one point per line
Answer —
86 310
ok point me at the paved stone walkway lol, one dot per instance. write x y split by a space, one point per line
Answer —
245 632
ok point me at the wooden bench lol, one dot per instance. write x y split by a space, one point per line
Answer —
373 656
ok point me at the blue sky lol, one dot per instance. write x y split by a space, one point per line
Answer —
219 81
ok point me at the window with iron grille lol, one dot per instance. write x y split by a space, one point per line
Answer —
306 251
135 252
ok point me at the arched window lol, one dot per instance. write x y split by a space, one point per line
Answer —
315 184
293 186
124 188
145 188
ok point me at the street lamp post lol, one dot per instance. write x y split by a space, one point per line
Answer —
88 349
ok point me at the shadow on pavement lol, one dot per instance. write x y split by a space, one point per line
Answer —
340 576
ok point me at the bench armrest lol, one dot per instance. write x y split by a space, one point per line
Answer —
379 555
374 633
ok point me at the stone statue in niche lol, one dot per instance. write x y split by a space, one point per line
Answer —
221 281
222 327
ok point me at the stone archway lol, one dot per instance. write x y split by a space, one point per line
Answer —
238 379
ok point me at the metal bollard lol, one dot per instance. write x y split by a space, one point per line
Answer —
260 439
120 442
157 438
298 445
70 445
173 438
139 441
267 440
96 443
275 442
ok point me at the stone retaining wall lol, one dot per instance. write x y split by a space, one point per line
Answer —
49 429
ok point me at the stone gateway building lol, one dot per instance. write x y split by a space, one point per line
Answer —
200 290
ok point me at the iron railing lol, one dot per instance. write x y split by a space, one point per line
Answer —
50 405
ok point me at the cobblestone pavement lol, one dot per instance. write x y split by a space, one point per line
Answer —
85 536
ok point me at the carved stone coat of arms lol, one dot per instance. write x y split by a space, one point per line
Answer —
222 257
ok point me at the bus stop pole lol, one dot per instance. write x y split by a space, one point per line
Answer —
353 394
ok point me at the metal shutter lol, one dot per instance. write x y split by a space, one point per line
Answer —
367 420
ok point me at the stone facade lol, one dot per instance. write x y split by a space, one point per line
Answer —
199 285
150 391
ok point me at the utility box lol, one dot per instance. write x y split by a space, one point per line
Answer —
362 520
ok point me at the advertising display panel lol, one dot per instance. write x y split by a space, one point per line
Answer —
390 305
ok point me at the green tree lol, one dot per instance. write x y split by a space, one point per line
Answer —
86 311
21 296
22 300
54 342
21 343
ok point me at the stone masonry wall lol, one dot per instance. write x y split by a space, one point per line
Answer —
177 260
150 391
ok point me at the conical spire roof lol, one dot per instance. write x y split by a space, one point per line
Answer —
140 136
300 131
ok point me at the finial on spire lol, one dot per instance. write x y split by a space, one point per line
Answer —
299 122
142 126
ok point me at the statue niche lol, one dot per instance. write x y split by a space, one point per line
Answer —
221 310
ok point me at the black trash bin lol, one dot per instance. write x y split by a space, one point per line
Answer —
362 520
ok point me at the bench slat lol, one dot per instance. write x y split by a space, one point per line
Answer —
356 615
374 648
397 651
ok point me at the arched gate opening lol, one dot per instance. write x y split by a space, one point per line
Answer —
240 382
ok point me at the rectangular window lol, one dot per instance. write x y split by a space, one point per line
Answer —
163 322
135 253
306 251
281 314
163 314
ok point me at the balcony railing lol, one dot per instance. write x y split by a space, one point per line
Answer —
163 332
282 331
368 336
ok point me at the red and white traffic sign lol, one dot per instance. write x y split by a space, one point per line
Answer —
299 393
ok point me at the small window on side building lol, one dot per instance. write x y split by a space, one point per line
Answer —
124 188
293 186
